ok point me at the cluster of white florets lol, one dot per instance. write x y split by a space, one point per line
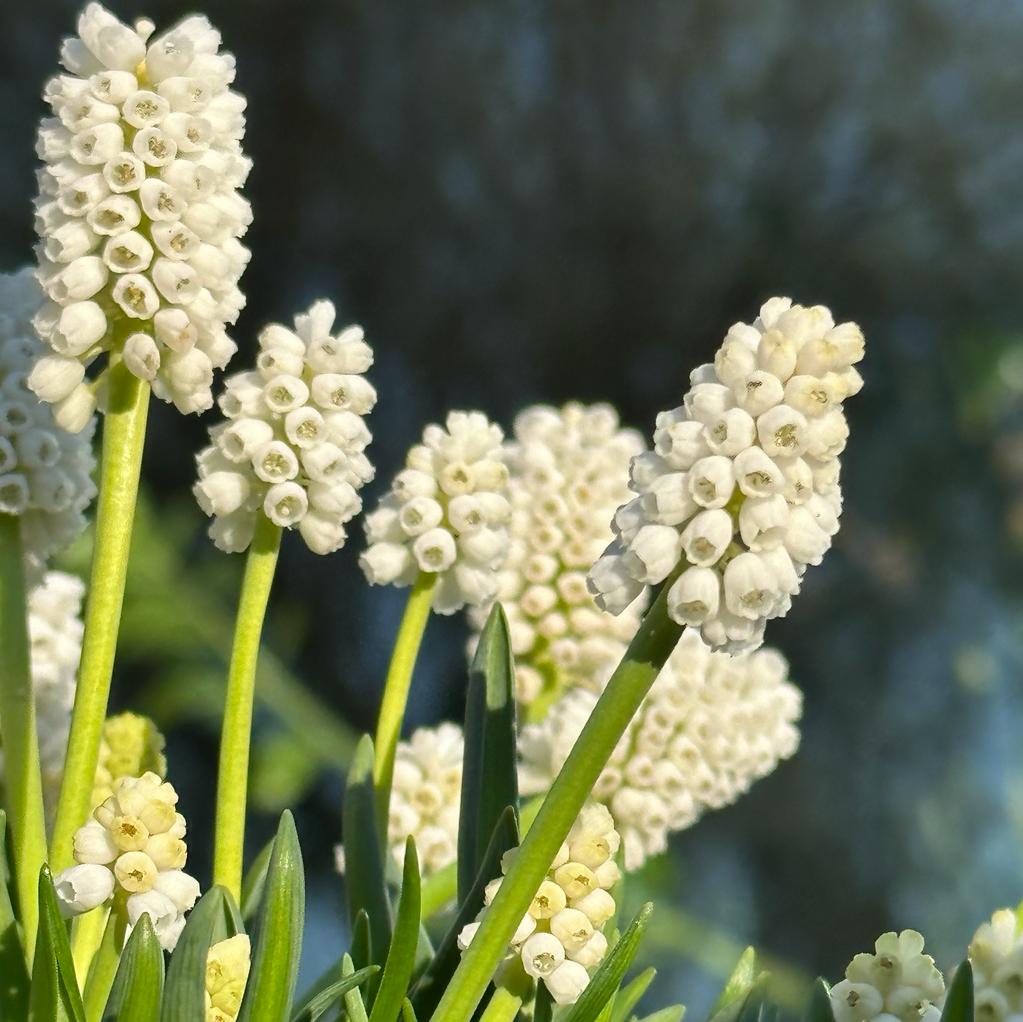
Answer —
897 982
138 212
711 725
227 972
559 940
741 489
55 636
45 472
446 514
293 447
425 796
135 844
568 472
996 954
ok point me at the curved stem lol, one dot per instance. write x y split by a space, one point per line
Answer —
18 729
396 689
646 655
124 433
233 769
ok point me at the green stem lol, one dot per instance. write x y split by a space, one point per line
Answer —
18 729
646 655
104 965
233 770
124 433
396 689
86 936
503 1007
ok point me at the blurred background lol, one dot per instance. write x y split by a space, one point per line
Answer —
537 202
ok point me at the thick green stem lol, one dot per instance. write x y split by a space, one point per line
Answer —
104 965
124 433
646 655
18 729
396 689
233 771
503 1007
86 936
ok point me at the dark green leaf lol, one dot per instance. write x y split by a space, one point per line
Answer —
959 1001
402 954
607 978
672 1014
318 1004
365 882
628 997
819 1008
355 1010
255 880
431 984
489 763
362 949
55 996
185 990
543 1006
14 981
138 985
271 985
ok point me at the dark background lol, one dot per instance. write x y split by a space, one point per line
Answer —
531 201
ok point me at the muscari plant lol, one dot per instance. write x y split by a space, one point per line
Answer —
619 594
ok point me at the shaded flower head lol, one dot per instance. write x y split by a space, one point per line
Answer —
996 954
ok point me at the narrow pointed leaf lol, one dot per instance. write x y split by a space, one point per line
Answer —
326 997
138 985
362 948
959 1001
672 1014
402 954
431 984
819 1008
408 1013
365 881
55 994
184 995
355 1009
736 990
543 1005
253 883
608 977
489 763
271 986
14 982
628 997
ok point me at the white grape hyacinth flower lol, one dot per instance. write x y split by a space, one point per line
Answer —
139 214
294 443
446 514
711 725
741 492
568 472
425 798
897 982
560 940
996 954
55 637
134 844
45 472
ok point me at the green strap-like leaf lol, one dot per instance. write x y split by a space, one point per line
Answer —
819 1009
489 762
628 997
672 1014
13 974
744 977
430 986
323 999
608 977
55 996
543 1004
254 882
959 1000
184 995
138 985
271 986
365 882
355 1010
402 954
408 1013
